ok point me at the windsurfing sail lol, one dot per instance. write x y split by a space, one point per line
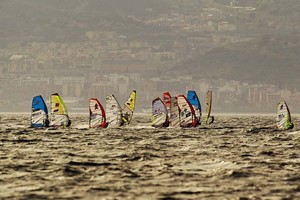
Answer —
174 113
167 101
187 112
128 108
284 120
97 114
39 114
194 101
59 113
159 113
209 119
113 112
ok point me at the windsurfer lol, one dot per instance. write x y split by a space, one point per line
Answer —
69 123
125 118
47 122
212 119
291 125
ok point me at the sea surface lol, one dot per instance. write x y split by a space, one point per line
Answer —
237 157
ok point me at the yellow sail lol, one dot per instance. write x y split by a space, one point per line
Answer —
57 105
59 113
209 119
129 108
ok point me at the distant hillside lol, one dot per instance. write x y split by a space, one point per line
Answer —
268 59
68 20
279 7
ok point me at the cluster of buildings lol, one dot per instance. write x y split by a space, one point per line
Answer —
106 62
228 96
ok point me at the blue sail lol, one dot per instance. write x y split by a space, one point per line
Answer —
39 114
195 102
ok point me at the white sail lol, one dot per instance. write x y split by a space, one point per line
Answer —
97 114
159 113
209 119
113 112
284 116
174 113
187 113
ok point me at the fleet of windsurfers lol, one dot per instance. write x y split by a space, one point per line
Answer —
187 113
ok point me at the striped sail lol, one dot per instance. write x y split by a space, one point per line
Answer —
97 117
167 101
159 113
187 113
113 112
59 113
174 113
194 101
208 106
128 108
39 114
283 116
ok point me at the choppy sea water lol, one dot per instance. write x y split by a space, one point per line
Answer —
237 157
